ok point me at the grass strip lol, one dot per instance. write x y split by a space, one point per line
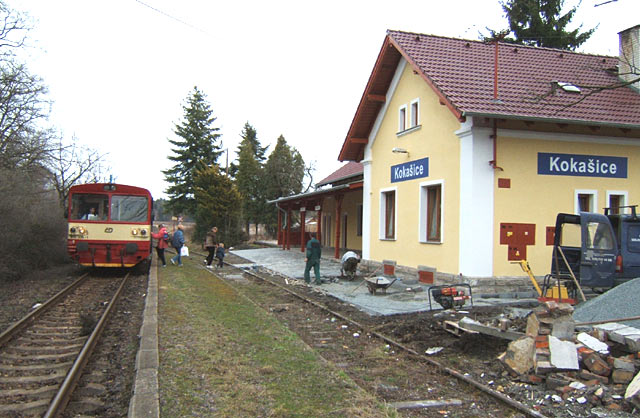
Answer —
221 355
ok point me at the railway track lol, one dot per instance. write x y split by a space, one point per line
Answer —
42 356
322 332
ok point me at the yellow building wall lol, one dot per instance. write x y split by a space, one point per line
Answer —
437 141
350 203
537 199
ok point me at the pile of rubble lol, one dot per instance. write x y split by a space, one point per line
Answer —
597 368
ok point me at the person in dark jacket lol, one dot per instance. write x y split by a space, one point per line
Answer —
210 244
220 254
314 253
162 243
178 242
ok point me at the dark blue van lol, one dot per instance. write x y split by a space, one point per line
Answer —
626 227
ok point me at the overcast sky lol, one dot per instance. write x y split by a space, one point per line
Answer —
119 71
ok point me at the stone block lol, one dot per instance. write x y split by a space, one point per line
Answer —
555 381
544 367
624 364
620 334
533 325
603 330
563 329
564 354
520 355
620 376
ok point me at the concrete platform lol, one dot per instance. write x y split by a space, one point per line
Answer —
405 295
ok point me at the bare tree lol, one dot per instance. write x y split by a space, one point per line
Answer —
72 164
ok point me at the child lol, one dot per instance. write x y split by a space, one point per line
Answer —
220 253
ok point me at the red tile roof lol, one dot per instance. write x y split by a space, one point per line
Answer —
350 169
461 72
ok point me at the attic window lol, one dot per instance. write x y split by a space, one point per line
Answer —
569 87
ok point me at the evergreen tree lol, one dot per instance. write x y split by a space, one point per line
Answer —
284 176
199 145
249 176
218 204
540 23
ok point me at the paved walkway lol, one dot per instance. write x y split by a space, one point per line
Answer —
405 295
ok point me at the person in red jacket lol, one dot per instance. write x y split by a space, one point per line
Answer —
163 242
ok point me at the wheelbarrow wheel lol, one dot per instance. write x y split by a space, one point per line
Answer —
371 287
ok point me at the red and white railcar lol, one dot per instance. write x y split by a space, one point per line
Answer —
109 224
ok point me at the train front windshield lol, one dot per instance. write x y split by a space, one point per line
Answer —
95 207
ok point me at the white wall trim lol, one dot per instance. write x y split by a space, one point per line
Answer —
618 193
476 222
383 215
366 210
594 200
422 213
567 137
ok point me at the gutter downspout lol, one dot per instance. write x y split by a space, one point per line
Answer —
494 163
494 136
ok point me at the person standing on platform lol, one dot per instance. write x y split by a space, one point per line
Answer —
178 242
210 244
162 236
314 252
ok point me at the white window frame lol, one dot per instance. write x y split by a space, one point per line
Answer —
623 193
383 214
423 208
402 118
594 200
417 113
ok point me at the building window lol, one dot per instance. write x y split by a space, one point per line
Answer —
359 221
585 200
388 214
415 108
402 118
615 201
433 213
430 221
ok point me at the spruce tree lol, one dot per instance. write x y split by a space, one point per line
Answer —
217 204
249 176
284 176
198 146
540 23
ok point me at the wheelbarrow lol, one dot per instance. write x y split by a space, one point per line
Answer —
378 283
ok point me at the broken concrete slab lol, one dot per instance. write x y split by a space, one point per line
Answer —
619 334
563 329
564 354
593 343
425 404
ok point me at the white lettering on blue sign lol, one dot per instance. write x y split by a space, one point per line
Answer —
411 170
581 165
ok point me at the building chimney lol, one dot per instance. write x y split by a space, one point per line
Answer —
630 55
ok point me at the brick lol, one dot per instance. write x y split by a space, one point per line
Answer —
543 367
596 365
542 341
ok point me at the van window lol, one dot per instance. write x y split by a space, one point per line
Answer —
599 236
633 237
571 236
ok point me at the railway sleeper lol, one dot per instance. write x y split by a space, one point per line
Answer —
29 393
34 359
28 349
55 376
13 368
37 407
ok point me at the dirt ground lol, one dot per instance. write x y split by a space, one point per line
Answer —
470 354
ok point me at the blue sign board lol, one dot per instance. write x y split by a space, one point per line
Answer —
411 170
582 165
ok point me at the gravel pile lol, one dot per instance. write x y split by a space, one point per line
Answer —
620 302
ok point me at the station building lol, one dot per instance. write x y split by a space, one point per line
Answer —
469 150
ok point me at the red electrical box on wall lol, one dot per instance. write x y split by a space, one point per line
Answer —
517 236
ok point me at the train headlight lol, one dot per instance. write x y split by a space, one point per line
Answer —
143 232
134 232
81 230
72 230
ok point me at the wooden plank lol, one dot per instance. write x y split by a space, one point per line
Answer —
455 329
468 323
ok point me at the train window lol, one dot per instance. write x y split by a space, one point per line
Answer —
129 208
90 207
